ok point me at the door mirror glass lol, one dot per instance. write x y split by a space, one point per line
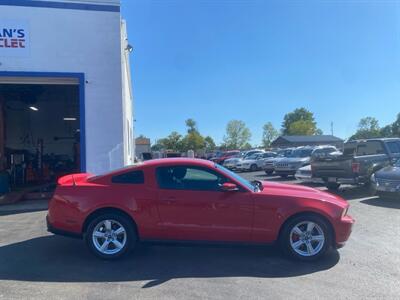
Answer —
229 187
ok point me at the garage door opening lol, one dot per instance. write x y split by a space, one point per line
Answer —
39 132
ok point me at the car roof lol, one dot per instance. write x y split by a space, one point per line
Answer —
158 163
374 139
177 161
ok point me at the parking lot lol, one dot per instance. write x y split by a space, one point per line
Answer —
36 264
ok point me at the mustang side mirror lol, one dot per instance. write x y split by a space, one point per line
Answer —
229 187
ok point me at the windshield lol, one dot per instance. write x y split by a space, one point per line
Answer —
238 178
301 153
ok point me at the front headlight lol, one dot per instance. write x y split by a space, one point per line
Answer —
344 213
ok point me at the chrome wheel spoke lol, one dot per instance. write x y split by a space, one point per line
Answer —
104 247
119 231
310 226
117 244
107 224
297 230
297 244
99 234
310 248
317 238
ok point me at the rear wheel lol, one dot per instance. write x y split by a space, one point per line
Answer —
306 237
332 186
269 172
110 236
284 176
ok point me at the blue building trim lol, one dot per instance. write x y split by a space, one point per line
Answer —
61 5
81 80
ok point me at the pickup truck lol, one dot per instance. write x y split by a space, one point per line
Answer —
359 160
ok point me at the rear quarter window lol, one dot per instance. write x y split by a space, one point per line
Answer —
394 147
370 148
133 177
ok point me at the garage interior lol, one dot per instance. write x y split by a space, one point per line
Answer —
39 134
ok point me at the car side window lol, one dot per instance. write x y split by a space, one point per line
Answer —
394 147
134 177
370 148
189 178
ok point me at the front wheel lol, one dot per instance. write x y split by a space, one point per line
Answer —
110 236
253 168
269 172
306 238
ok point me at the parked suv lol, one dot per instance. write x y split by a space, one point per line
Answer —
269 163
301 157
360 159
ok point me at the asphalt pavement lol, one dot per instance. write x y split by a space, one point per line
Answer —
37 265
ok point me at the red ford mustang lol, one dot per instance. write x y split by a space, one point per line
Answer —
195 200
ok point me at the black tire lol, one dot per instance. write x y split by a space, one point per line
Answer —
285 242
130 241
269 172
253 168
332 186
284 176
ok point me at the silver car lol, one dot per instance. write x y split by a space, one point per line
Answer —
254 162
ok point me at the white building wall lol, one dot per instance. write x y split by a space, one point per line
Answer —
127 98
81 41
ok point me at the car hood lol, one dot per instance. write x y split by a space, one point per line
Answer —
294 160
248 161
300 191
234 159
391 173
273 159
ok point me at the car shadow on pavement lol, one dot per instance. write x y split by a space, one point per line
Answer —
383 202
20 211
58 259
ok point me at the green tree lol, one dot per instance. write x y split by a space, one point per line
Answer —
302 127
172 142
237 135
191 125
299 122
247 146
193 141
368 127
396 127
209 143
269 134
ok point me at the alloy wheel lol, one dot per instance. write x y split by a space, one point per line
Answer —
109 237
307 238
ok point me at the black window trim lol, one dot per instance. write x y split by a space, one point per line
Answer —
215 172
142 181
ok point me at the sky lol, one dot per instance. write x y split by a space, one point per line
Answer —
255 61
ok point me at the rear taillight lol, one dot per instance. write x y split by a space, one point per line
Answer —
355 167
